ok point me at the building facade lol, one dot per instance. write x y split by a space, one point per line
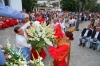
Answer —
15 4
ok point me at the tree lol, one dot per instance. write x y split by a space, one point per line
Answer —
89 7
43 5
69 5
55 4
73 5
29 5
86 2
98 8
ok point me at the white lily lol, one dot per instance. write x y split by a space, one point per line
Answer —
9 56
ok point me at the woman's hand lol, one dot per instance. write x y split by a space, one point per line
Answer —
26 15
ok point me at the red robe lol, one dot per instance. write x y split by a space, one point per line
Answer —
8 22
11 22
14 21
1 26
59 54
5 25
34 53
41 20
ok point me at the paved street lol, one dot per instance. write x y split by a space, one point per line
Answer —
79 56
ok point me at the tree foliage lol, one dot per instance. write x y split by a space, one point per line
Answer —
89 3
73 5
89 7
43 5
55 4
69 5
98 8
29 5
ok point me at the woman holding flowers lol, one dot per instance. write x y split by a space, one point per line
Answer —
63 47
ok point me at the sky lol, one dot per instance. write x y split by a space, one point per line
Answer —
98 1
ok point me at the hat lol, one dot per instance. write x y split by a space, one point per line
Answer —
71 30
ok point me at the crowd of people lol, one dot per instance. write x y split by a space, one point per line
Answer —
66 19
7 22
91 33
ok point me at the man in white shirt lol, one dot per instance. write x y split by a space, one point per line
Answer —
21 40
95 37
55 22
62 25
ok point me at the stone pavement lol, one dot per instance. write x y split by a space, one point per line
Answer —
79 56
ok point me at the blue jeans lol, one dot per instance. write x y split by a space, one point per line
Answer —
2 58
97 43
86 40
25 52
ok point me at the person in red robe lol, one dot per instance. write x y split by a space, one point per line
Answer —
11 22
1 23
5 25
40 19
8 22
14 21
62 51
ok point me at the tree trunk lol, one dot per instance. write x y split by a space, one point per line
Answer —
82 7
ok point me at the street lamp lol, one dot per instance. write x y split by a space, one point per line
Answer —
95 8
77 23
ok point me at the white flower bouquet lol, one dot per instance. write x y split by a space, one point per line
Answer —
37 62
13 58
40 35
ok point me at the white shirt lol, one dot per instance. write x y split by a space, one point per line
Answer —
96 35
62 25
71 21
90 15
86 32
21 40
74 20
55 24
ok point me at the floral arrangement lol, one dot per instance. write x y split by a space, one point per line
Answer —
38 62
17 59
13 58
40 35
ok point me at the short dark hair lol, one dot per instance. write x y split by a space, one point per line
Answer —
16 29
